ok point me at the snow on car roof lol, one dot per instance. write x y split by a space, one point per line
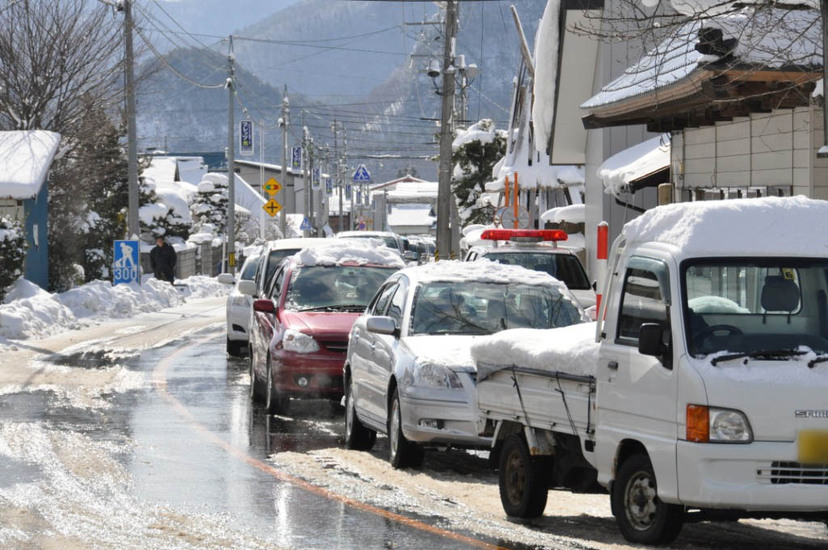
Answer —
344 251
482 270
786 226
571 349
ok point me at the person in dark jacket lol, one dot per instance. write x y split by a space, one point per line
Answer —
162 260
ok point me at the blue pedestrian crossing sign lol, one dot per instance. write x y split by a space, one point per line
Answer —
125 268
306 226
362 174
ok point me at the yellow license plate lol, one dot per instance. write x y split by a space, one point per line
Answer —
813 447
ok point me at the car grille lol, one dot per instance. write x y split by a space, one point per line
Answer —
784 473
336 347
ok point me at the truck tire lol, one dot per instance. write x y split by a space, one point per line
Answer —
357 436
640 515
521 480
402 452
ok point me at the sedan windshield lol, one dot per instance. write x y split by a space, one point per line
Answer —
472 307
334 288
564 267
763 309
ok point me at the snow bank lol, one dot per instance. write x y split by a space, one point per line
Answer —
350 251
31 312
785 226
571 349
482 271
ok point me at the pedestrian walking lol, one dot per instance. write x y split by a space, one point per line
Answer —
162 260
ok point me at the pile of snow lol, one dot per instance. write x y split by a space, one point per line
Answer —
571 349
574 213
31 312
785 226
482 131
344 251
634 163
483 271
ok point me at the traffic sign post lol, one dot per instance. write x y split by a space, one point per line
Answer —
272 187
126 266
272 207
362 175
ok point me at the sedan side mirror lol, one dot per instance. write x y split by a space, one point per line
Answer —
410 255
382 325
264 306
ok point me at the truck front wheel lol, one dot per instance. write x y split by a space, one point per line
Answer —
641 516
521 479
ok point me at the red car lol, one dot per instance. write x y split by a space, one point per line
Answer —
299 337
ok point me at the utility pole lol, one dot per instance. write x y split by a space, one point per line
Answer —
133 224
284 122
444 195
306 202
231 162
338 168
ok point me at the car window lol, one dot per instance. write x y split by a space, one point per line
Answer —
334 288
249 269
642 301
274 258
564 267
276 284
397 305
379 305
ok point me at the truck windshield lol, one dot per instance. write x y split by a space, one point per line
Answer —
767 308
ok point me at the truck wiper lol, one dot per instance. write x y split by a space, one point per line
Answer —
820 359
759 354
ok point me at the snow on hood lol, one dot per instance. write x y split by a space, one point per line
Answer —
341 251
449 350
484 271
571 349
781 226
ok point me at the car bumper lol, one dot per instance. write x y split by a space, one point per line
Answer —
238 323
760 476
432 420
308 374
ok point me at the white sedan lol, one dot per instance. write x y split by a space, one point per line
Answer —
239 307
409 372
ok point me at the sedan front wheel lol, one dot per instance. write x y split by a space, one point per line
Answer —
403 453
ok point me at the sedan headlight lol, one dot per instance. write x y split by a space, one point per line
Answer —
713 425
435 376
299 342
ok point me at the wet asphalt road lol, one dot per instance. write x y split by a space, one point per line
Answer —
197 445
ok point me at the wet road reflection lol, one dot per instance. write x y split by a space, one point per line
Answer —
173 463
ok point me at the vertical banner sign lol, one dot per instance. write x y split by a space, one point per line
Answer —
296 158
359 196
125 267
348 190
315 180
246 137
328 186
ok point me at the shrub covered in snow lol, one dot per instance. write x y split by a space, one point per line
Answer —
475 152
12 253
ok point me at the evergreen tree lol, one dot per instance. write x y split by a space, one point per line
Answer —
12 253
475 152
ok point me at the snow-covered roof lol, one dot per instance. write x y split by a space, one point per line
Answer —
349 251
769 38
407 190
634 163
482 271
769 226
574 213
410 214
25 159
539 174
161 169
571 349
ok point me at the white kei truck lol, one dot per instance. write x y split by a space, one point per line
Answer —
701 393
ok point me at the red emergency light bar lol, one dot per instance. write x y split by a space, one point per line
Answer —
524 235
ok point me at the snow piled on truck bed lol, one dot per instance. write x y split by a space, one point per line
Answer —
786 226
571 349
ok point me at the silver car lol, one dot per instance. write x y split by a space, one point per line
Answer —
409 372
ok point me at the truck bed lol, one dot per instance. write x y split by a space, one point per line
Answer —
538 398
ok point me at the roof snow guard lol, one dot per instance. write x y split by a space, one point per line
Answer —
25 159
753 59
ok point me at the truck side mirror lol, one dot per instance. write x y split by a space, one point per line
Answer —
651 341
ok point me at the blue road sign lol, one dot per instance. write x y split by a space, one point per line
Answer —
306 226
362 174
125 268
315 179
246 137
296 158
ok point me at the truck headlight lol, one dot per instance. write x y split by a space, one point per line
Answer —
714 425
299 342
435 376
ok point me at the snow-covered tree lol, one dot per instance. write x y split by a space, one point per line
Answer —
12 253
475 152
210 204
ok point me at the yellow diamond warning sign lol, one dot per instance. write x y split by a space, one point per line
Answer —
272 187
272 207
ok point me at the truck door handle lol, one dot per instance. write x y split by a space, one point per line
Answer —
612 365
